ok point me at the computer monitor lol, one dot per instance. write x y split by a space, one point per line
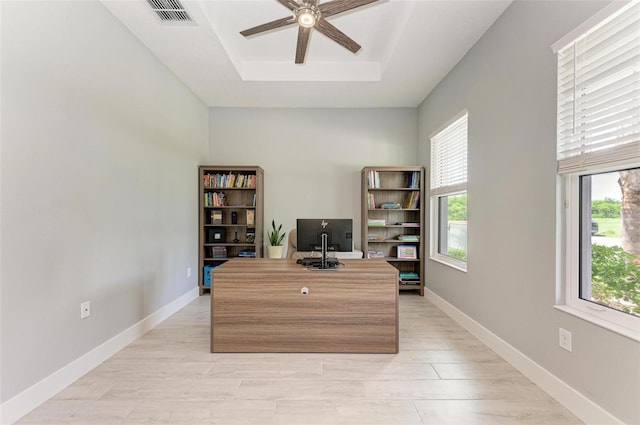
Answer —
339 233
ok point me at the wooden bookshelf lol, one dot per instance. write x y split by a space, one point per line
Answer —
230 216
393 227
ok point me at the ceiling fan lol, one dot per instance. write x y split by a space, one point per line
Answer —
310 15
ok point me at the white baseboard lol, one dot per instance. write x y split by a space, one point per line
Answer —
21 404
585 409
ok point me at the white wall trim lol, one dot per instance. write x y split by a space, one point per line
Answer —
21 404
585 409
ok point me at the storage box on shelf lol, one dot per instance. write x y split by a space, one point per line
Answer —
393 220
231 216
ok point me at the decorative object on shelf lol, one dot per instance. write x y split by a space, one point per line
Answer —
407 252
216 217
216 235
276 236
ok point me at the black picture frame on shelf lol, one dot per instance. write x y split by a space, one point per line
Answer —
216 235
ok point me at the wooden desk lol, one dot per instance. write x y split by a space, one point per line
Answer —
257 306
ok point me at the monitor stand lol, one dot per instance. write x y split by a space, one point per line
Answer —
325 264
325 248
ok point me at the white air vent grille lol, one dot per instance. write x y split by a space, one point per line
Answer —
170 10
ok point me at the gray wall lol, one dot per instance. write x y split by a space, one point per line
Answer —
100 147
312 158
508 84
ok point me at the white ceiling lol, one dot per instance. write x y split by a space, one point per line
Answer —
408 46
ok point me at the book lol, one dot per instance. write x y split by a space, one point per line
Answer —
251 215
391 205
376 222
375 254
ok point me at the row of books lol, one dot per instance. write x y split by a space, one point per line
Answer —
214 199
371 203
374 179
414 180
412 200
229 180
218 252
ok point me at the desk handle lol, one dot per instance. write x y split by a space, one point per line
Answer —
304 291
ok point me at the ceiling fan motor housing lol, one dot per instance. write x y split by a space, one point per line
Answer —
307 15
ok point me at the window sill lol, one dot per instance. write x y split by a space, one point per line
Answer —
451 262
620 330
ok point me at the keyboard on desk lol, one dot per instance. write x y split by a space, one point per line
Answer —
317 262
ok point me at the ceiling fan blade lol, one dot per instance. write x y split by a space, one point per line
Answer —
336 35
279 23
303 42
338 6
289 4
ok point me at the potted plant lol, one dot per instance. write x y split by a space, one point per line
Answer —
276 236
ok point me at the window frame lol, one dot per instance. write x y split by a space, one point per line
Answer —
445 191
606 317
434 253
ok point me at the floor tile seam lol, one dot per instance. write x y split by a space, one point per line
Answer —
348 379
415 408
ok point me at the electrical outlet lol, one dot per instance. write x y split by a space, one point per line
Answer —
85 310
565 339
188 271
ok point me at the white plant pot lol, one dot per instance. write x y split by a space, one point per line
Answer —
275 251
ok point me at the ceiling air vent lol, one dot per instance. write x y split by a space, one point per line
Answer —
170 10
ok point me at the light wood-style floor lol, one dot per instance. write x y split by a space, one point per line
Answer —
442 375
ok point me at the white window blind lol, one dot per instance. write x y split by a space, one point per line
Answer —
449 158
599 94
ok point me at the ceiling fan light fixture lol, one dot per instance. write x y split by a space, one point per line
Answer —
307 16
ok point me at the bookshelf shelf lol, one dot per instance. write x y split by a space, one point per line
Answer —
401 188
231 208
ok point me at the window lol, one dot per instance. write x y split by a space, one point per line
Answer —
599 160
449 194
